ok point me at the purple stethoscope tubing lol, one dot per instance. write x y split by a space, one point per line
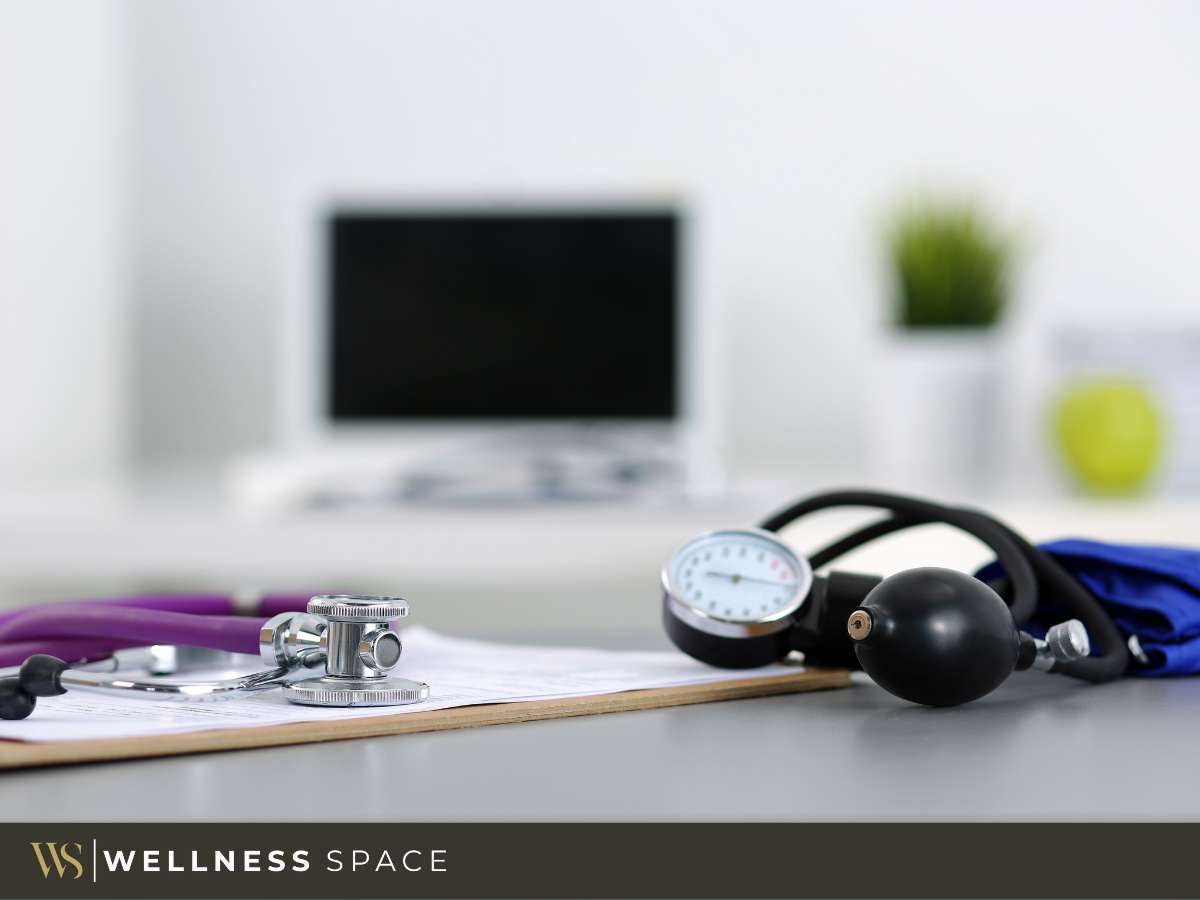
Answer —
92 629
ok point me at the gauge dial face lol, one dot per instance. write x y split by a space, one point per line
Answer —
739 576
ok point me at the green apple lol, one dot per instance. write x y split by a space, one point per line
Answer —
1110 433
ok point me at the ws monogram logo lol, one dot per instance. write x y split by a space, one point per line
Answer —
61 858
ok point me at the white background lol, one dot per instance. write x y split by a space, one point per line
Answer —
149 151
65 298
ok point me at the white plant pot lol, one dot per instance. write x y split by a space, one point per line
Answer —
937 411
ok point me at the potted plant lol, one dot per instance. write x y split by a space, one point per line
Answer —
951 280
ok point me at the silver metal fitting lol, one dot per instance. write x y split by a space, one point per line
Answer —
292 640
380 650
1065 642
1136 651
358 608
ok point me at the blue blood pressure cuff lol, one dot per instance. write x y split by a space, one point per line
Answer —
1152 593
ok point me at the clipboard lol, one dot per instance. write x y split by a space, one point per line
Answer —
19 755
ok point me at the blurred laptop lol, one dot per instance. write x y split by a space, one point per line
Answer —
486 355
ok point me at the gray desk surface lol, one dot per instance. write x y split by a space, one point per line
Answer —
1041 748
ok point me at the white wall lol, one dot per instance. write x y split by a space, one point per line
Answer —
791 125
63 380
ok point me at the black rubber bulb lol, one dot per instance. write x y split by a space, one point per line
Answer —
935 636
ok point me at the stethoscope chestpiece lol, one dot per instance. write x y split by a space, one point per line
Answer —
359 648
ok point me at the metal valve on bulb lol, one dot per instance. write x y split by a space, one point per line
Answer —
940 637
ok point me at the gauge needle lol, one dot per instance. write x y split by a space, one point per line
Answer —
736 578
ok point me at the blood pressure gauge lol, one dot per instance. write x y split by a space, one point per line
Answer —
730 598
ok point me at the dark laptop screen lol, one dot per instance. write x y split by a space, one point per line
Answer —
503 315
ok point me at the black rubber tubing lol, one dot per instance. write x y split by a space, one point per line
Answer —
1027 567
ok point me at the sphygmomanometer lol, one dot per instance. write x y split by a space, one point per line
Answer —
742 598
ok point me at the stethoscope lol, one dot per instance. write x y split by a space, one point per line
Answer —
350 636
742 598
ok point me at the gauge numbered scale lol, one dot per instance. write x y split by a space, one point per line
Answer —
742 598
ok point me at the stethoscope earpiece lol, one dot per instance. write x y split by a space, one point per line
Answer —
40 676
15 702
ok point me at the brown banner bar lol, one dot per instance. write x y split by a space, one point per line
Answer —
598 860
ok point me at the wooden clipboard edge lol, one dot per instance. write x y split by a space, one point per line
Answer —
18 755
